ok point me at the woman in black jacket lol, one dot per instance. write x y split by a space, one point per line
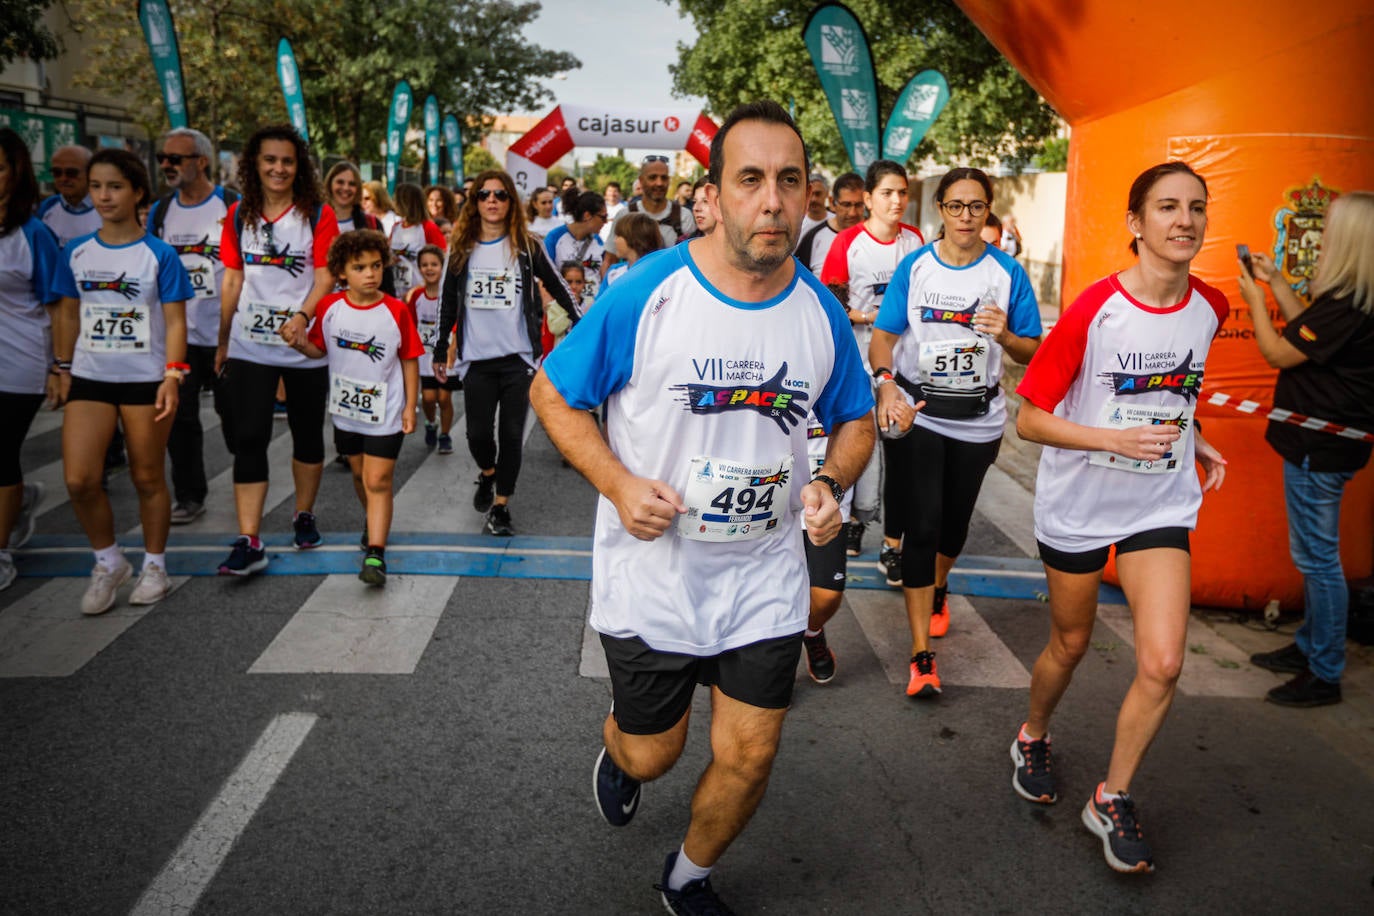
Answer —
492 303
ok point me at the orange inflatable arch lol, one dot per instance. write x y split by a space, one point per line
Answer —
1273 104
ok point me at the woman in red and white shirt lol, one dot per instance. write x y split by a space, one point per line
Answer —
1111 394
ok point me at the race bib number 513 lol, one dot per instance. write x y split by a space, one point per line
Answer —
730 501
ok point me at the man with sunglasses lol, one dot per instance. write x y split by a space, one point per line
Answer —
191 219
674 220
69 213
709 356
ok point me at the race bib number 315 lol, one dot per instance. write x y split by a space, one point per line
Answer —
491 289
730 501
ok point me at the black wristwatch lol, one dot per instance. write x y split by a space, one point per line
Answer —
835 489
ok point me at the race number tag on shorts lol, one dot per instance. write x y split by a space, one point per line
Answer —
202 273
730 501
262 323
115 328
357 400
491 289
955 365
1118 415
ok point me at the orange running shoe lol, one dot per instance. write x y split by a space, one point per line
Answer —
939 618
925 679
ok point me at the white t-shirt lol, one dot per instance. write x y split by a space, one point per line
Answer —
612 211
858 258
710 395
821 240
817 441
67 222
670 233
546 224
406 242
195 233
426 314
389 220
493 321
1114 361
562 246
28 265
278 259
930 306
808 223
121 288
365 345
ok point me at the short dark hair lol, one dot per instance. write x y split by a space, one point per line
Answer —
613 184
993 221
879 169
765 110
587 202
849 181
350 245
129 165
640 232
430 249
23 183
1146 180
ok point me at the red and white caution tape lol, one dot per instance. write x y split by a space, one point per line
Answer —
1278 414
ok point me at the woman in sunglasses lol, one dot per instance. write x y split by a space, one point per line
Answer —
492 301
953 310
273 247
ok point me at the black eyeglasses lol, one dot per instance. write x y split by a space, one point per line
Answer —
65 173
955 207
500 194
172 158
647 159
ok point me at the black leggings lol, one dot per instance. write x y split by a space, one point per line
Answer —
250 394
932 484
491 383
186 443
16 415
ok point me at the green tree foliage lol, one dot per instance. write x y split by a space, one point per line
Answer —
468 53
477 159
23 33
752 49
611 168
1054 157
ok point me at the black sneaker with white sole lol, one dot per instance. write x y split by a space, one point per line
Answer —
695 898
244 559
616 793
854 538
498 522
1123 845
890 565
307 532
1032 775
486 492
820 660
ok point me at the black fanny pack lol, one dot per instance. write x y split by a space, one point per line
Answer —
949 405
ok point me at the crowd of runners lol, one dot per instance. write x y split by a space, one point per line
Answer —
723 396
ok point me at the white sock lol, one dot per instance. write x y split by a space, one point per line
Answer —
684 870
1026 737
109 557
1104 795
155 559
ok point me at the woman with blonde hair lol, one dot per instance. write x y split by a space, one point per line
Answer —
377 204
491 298
1325 359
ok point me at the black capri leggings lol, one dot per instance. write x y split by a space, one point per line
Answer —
491 383
250 393
932 485
16 415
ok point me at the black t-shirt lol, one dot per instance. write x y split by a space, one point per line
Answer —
1335 383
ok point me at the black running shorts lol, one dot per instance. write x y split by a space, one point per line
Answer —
827 566
128 394
346 443
653 690
1091 561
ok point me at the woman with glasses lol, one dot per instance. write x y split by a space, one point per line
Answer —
273 247
491 298
954 310
377 204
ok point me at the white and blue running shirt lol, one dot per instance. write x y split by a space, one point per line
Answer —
28 262
195 233
563 247
66 222
692 378
121 290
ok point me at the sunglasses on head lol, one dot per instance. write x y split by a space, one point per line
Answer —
65 173
172 158
500 194
647 159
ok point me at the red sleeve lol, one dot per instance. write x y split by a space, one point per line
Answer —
229 240
836 267
326 231
435 236
411 348
1059 359
1215 298
916 232
411 298
316 333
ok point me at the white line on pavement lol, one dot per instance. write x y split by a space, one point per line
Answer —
1212 665
193 866
1009 506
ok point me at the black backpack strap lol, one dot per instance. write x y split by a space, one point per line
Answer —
159 216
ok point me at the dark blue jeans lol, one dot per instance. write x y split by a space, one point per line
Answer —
1313 501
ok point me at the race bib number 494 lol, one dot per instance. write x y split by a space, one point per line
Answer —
730 501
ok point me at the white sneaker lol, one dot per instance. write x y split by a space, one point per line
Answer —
152 586
28 514
7 571
105 583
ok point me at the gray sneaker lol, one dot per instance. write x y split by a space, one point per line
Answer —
7 571
183 513
105 583
152 586
28 515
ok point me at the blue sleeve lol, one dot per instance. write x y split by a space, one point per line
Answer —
63 281
47 204
847 394
551 244
46 256
1023 309
892 313
173 283
151 218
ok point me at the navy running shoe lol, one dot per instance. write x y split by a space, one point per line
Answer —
617 795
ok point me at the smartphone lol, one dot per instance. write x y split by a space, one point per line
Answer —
1243 252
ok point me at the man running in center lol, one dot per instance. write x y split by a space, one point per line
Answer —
708 356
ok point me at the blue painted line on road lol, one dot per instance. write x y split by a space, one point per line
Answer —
481 556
